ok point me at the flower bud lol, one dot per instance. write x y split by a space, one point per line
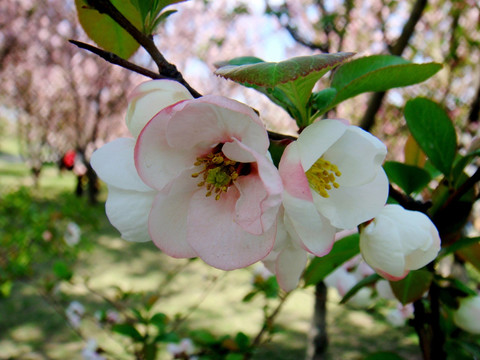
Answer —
467 317
149 98
397 241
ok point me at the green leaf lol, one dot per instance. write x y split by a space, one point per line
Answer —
243 341
61 270
434 132
6 288
204 337
471 254
378 73
138 315
242 60
411 179
233 356
413 286
106 33
287 83
342 251
272 74
458 245
321 100
160 320
461 162
128 330
383 355
362 283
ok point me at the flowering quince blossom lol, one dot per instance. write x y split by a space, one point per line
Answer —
287 259
333 179
397 241
198 180
467 316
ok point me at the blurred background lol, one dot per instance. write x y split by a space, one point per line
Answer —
59 103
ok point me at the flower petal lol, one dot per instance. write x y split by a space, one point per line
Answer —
213 120
315 140
157 163
313 230
384 256
358 155
348 207
293 174
128 211
289 267
114 164
260 194
167 223
218 239
149 98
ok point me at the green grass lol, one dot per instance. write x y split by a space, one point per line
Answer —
31 327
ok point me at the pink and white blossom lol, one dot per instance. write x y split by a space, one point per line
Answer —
287 259
74 313
333 180
148 98
397 241
198 181
467 316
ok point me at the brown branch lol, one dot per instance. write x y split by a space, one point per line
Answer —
462 190
397 49
299 39
475 107
117 60
164 67
408 202
278 137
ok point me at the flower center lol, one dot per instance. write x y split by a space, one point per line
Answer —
322 175
219 172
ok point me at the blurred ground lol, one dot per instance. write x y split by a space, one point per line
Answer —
32 328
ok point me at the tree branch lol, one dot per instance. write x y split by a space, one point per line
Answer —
397 49
117 60
164 67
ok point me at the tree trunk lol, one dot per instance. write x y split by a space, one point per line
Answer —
317 339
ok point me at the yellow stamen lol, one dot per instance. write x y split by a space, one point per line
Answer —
322 175
218 173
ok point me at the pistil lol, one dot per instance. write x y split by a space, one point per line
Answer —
218 173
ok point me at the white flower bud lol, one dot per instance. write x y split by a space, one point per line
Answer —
398 241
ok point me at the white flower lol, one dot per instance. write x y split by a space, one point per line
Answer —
198 180
260 271
467 317
398 241
343 281
148 98
74 313
72 234
90 351
333 180
287 259
398 317
384 290
185 346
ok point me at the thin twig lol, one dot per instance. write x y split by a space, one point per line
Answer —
117 60
193 308
267 324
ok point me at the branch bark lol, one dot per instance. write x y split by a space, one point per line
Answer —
376 100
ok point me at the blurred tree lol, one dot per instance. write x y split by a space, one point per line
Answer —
65 99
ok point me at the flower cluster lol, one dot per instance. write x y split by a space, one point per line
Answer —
197 179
